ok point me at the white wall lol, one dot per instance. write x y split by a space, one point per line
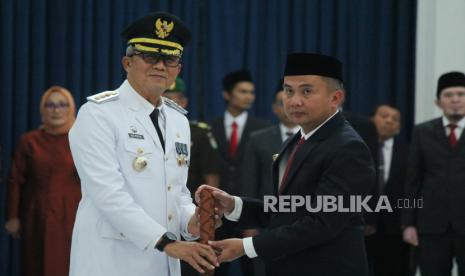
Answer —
440 48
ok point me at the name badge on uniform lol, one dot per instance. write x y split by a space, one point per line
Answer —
181 154
134 134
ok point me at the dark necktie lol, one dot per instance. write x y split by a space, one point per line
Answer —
233 140
289 164
154 117
452 137
381 168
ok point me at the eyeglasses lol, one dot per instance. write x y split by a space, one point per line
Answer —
153 58
53 106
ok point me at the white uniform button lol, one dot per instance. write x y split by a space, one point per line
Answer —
122 235
169 188
170 217
166 158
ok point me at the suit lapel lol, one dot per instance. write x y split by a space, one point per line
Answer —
275 166
299 157
219 133
169 132
277 139
243 139
145 121
321 134
440 133
141 109
461 141
394 161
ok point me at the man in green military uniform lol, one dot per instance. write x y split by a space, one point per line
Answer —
204 167
205 160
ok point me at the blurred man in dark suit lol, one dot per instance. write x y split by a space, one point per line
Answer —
367 130
390 253
436 173
327 158
232 132
256 167
262 146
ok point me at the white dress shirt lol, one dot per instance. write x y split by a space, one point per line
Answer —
458 130
284 130
240 120
236 213
388 146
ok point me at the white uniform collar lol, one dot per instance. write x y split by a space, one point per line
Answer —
135 101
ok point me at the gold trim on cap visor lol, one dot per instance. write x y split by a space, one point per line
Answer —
156 41
168 52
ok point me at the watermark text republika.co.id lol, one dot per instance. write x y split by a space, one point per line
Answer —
332 203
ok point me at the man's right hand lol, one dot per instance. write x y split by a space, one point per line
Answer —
410 235
223 201
199 256
13 227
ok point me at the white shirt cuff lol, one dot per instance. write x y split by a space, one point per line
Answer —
249 248
154 242
236 213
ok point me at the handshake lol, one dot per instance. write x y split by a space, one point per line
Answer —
202 256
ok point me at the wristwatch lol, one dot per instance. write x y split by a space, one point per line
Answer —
166 239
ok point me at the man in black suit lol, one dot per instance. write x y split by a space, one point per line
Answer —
232 132
327 158
436 173
389 252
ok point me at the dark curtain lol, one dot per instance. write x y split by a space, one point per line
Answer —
77 44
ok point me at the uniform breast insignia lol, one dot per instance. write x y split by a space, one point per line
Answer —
140 162
182 154
275 156
134 134
103 97
174 106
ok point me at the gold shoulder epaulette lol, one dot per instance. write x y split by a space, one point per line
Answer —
174 106
103 97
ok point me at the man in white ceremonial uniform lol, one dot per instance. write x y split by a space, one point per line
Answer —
130 147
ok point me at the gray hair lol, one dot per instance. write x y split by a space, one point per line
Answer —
130 51
333 84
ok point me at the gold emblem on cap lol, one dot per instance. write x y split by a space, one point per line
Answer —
139 163
163 28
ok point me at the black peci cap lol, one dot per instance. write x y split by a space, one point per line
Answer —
449 80
313 64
